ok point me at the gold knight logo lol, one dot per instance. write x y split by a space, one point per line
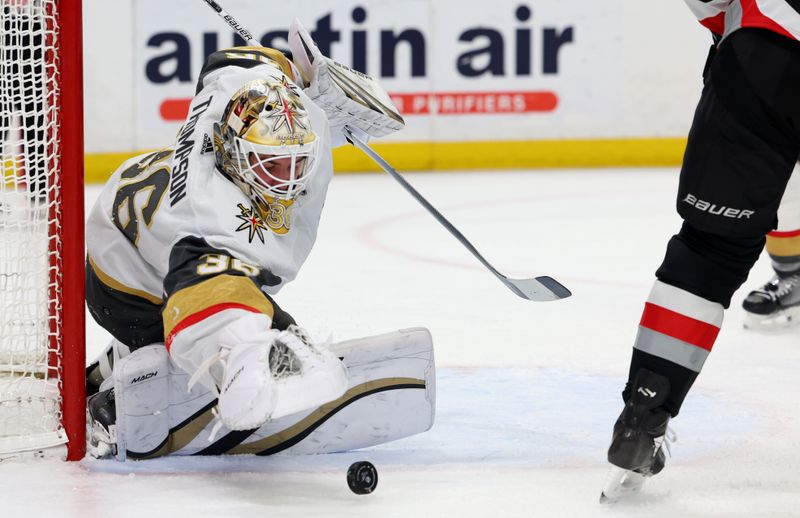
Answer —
252 223
274 215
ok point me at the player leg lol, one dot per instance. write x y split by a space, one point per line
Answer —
776 305
134 320
132 403
741 150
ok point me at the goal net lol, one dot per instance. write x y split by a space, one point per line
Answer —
41 230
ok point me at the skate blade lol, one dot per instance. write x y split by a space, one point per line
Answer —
621 483
777 323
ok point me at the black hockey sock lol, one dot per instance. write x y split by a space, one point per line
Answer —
708 265
680 378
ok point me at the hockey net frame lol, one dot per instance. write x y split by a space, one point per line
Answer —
42 393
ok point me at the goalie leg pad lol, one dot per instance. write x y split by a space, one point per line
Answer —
390 394
102 368
142 392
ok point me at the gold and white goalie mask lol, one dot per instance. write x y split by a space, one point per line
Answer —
265 143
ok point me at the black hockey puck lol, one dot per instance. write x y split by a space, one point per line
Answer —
362 477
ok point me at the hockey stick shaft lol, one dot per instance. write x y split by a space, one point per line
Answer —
363 146
549 289
540 288
231 21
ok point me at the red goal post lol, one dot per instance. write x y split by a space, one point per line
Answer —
42 334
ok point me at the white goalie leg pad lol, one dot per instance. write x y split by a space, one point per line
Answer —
391 394
113 353
348 97
142 391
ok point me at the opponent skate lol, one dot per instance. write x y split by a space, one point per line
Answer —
640 433
775 306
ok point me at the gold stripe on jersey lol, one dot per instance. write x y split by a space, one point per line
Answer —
263 54
293 434
116 285
218 293
783 246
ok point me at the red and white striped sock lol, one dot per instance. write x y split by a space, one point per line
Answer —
679 326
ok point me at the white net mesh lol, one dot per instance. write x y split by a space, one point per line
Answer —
30 415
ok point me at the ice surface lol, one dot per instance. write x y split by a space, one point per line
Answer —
527 392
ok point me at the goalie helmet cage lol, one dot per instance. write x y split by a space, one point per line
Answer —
42 355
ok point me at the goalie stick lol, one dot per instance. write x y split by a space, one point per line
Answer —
541 288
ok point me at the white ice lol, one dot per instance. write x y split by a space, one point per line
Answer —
527 392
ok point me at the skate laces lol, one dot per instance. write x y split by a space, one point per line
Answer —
670 437
786 285
778 287
666 440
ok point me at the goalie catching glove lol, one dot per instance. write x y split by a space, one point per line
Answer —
348 97
267 374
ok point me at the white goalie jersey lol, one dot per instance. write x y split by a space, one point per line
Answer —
187 246
172 238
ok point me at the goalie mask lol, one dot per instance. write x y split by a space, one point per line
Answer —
264 142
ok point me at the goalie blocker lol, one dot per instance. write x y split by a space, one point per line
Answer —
390 395
348 97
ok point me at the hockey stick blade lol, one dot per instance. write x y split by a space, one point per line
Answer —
541 289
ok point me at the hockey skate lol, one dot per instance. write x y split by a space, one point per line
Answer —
101 419
640 437
775 306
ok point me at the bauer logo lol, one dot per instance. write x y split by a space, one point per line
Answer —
717 210
539 58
